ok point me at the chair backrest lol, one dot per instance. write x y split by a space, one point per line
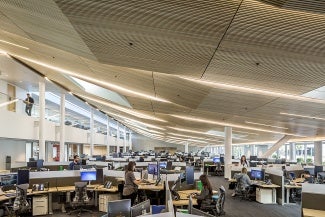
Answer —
81 192
240 186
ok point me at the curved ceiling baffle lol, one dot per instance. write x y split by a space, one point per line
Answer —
182 71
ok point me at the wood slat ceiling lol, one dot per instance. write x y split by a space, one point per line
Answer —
148 51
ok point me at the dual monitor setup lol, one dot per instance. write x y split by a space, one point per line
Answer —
35 164
123 208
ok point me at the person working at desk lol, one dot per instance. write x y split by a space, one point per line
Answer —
130 189
245 181
243 161
204 199
74 162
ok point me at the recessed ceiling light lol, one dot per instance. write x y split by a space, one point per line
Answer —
266 125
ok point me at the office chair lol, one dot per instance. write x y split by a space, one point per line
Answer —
241 191
219 170
21 204
80 199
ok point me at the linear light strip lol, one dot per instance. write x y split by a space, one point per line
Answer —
254 91
17 45
193 131
232 125
302 116
266 125
92 80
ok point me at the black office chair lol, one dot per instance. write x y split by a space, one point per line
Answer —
21 203
80 199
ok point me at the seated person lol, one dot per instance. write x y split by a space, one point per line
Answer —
74 162
204 199
245 181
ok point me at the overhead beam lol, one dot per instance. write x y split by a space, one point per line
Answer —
277 145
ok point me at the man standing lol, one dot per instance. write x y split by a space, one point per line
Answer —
29 101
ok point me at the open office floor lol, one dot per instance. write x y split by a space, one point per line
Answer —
235 207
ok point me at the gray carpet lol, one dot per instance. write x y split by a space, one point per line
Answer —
235 207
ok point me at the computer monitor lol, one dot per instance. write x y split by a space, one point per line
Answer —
163 165
198 212
39 164
119 208
318 169
222 159
311 171
169 165
253 158
152 169
32 164
142 208
83 162
189 175
216 160
257 174
88 175
8 179
23 177
31 159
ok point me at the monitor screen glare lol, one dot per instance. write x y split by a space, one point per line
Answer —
216 160
88 175
163 165
152 169
256 174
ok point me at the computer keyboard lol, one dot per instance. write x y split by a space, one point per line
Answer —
144 181
10 195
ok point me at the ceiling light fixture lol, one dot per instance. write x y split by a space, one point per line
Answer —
302 116
3 52
254 91
237 131
17 45
193 131
93 80
231 125
194 137
266 125
123 109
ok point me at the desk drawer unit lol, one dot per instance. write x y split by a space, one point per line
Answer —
40 205
103 200
264 195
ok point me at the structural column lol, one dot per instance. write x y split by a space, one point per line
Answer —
318 150
292 151
62 128
186 147
305 152
228 151
107 137
130 140
41 142
124 140
92 131
286 151
117 137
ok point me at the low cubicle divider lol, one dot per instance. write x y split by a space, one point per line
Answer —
312 196
276 175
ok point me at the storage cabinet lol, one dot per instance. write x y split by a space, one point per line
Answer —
264 195
40 205
103 200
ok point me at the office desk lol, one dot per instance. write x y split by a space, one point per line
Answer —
313 212
288 188
151 187
184 200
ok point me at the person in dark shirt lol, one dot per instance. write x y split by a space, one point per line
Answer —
74 162
204 199
29 101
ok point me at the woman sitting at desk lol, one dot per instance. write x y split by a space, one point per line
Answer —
130 189
205 197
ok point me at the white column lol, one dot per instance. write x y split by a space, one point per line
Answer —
62 127
107 137
318 150
305 152
41 119
130 140
186 147
92 130
286 151
292 151
228 151
124 142
117 137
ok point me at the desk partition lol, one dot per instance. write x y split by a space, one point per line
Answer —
313 196
276 176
